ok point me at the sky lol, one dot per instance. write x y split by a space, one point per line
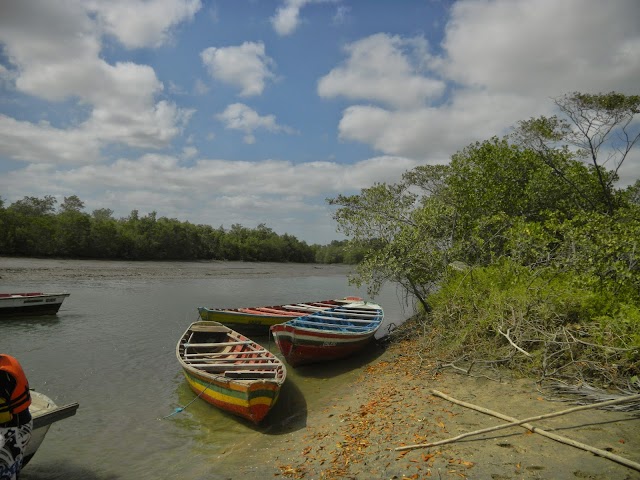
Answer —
249 112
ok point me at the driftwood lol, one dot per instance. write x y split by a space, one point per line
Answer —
515 422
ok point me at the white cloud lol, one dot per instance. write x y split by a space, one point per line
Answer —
49 46
386 69
544 47
246 66
239 116
153 127
138 23
286 19
433 134
55 48
189 152
43 143
503 61
287 197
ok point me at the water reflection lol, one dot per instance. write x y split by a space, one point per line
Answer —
30 322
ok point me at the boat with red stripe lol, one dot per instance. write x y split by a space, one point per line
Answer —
257 320
329 334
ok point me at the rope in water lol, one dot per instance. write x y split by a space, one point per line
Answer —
182 409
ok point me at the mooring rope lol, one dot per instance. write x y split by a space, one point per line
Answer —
182 409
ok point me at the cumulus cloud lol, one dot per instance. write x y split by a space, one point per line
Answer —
189 152
239 116
386 69
246 66
433 134
502 61
287 196
287 17
54 53
531 48
43 143
167 175
147 23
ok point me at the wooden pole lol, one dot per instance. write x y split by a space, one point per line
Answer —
515 422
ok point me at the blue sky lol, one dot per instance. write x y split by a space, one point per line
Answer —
255 111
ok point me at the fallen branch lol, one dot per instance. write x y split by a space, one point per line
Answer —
506 335
515 422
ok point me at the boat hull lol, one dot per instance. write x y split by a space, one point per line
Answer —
305 346
30 304
329 334
245 322
44 413
229 371
258 320
253 401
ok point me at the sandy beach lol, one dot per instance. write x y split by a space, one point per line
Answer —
391 405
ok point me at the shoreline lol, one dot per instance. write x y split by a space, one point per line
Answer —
390 405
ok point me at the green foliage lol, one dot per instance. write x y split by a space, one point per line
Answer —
603 251
340 251
404 236
562 327
621 329
611 106
592 124
31 227
72 204
632 193
33 206
551 244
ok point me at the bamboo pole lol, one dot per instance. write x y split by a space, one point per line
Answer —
515 422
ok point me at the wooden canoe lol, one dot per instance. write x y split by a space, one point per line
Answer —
32 303
230 371
257 320
329 334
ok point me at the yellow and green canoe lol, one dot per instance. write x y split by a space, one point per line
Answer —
230 371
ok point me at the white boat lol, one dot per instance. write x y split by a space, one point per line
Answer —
44 412
32 303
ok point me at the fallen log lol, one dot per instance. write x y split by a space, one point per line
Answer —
514 422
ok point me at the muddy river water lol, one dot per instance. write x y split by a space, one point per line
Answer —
111 348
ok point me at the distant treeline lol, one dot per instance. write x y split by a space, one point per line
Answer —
34 227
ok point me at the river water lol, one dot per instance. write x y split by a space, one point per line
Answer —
111 348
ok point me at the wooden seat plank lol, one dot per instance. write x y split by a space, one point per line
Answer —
221 344
354 320
236 366
224 354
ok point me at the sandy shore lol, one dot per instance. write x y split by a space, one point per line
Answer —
390 405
